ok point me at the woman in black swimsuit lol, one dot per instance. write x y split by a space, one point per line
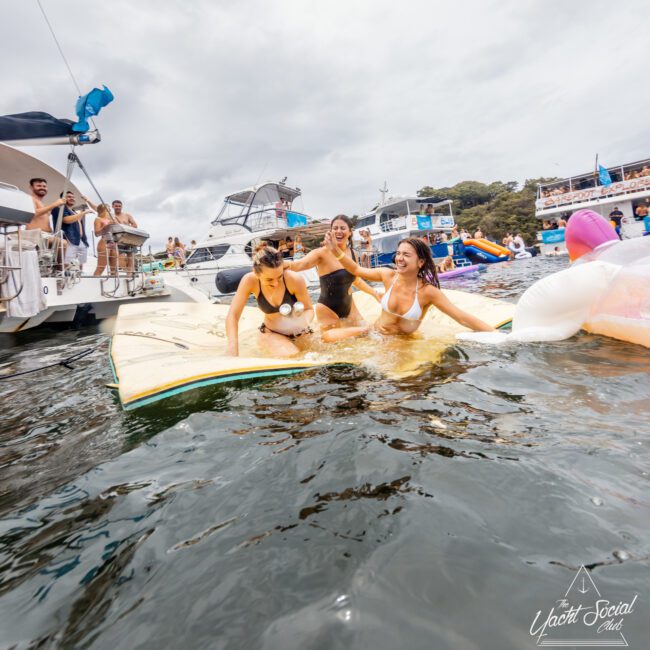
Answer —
335 301
276 291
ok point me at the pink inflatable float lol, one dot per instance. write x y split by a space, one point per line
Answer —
606 290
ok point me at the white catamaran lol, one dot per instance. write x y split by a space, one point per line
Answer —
35 286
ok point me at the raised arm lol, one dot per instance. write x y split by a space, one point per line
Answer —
366 288
77 216
373 275
445 305
235 311
40 211
309 261
91 205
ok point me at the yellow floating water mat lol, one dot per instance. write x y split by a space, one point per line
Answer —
159 350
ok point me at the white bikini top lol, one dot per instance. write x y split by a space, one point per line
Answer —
414 313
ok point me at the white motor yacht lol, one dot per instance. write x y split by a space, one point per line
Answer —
264 212
399 217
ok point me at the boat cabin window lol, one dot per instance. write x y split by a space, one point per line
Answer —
366 221
208 253
232 212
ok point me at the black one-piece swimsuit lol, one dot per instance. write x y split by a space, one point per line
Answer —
335 291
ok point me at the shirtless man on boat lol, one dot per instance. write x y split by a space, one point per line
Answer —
126 260
41 218
124 218
40 222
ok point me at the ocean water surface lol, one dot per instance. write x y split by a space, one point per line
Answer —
330 509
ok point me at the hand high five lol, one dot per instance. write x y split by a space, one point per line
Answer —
330 243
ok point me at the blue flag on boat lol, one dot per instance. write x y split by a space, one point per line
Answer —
89 105
295 219
603 175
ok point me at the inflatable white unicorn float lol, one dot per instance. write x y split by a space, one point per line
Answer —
606 290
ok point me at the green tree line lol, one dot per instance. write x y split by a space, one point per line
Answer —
496 208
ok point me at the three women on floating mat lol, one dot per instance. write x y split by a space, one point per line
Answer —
410 290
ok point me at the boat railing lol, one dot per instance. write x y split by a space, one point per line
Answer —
267 218
393 225
619 189
625 179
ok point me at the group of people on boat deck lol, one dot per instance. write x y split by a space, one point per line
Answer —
281 208
409 291
590 182
554 224
637 173
177 251
62 225
292 247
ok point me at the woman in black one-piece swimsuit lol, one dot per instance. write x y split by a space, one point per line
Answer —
335 301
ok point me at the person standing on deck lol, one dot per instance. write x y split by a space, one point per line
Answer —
73 227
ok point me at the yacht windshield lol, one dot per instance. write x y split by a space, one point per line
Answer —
260 209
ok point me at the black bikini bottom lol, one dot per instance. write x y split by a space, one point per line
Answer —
264 329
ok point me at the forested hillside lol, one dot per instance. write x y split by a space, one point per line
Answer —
497 208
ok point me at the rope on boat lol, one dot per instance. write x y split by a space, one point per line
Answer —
63 362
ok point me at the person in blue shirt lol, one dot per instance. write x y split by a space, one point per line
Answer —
73 229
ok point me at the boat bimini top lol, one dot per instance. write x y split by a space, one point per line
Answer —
239 208
266 210
17 167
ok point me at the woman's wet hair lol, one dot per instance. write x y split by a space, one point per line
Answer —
266 256
101 208
427 272
345 219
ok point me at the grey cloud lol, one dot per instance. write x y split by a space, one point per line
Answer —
338 96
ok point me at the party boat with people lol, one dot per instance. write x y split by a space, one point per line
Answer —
621 194
38 285
263 212
396 218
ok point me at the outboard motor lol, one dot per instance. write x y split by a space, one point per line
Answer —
228 280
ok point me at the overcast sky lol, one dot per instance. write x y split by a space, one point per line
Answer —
337 95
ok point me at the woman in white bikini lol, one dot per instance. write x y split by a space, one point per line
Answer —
411 289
